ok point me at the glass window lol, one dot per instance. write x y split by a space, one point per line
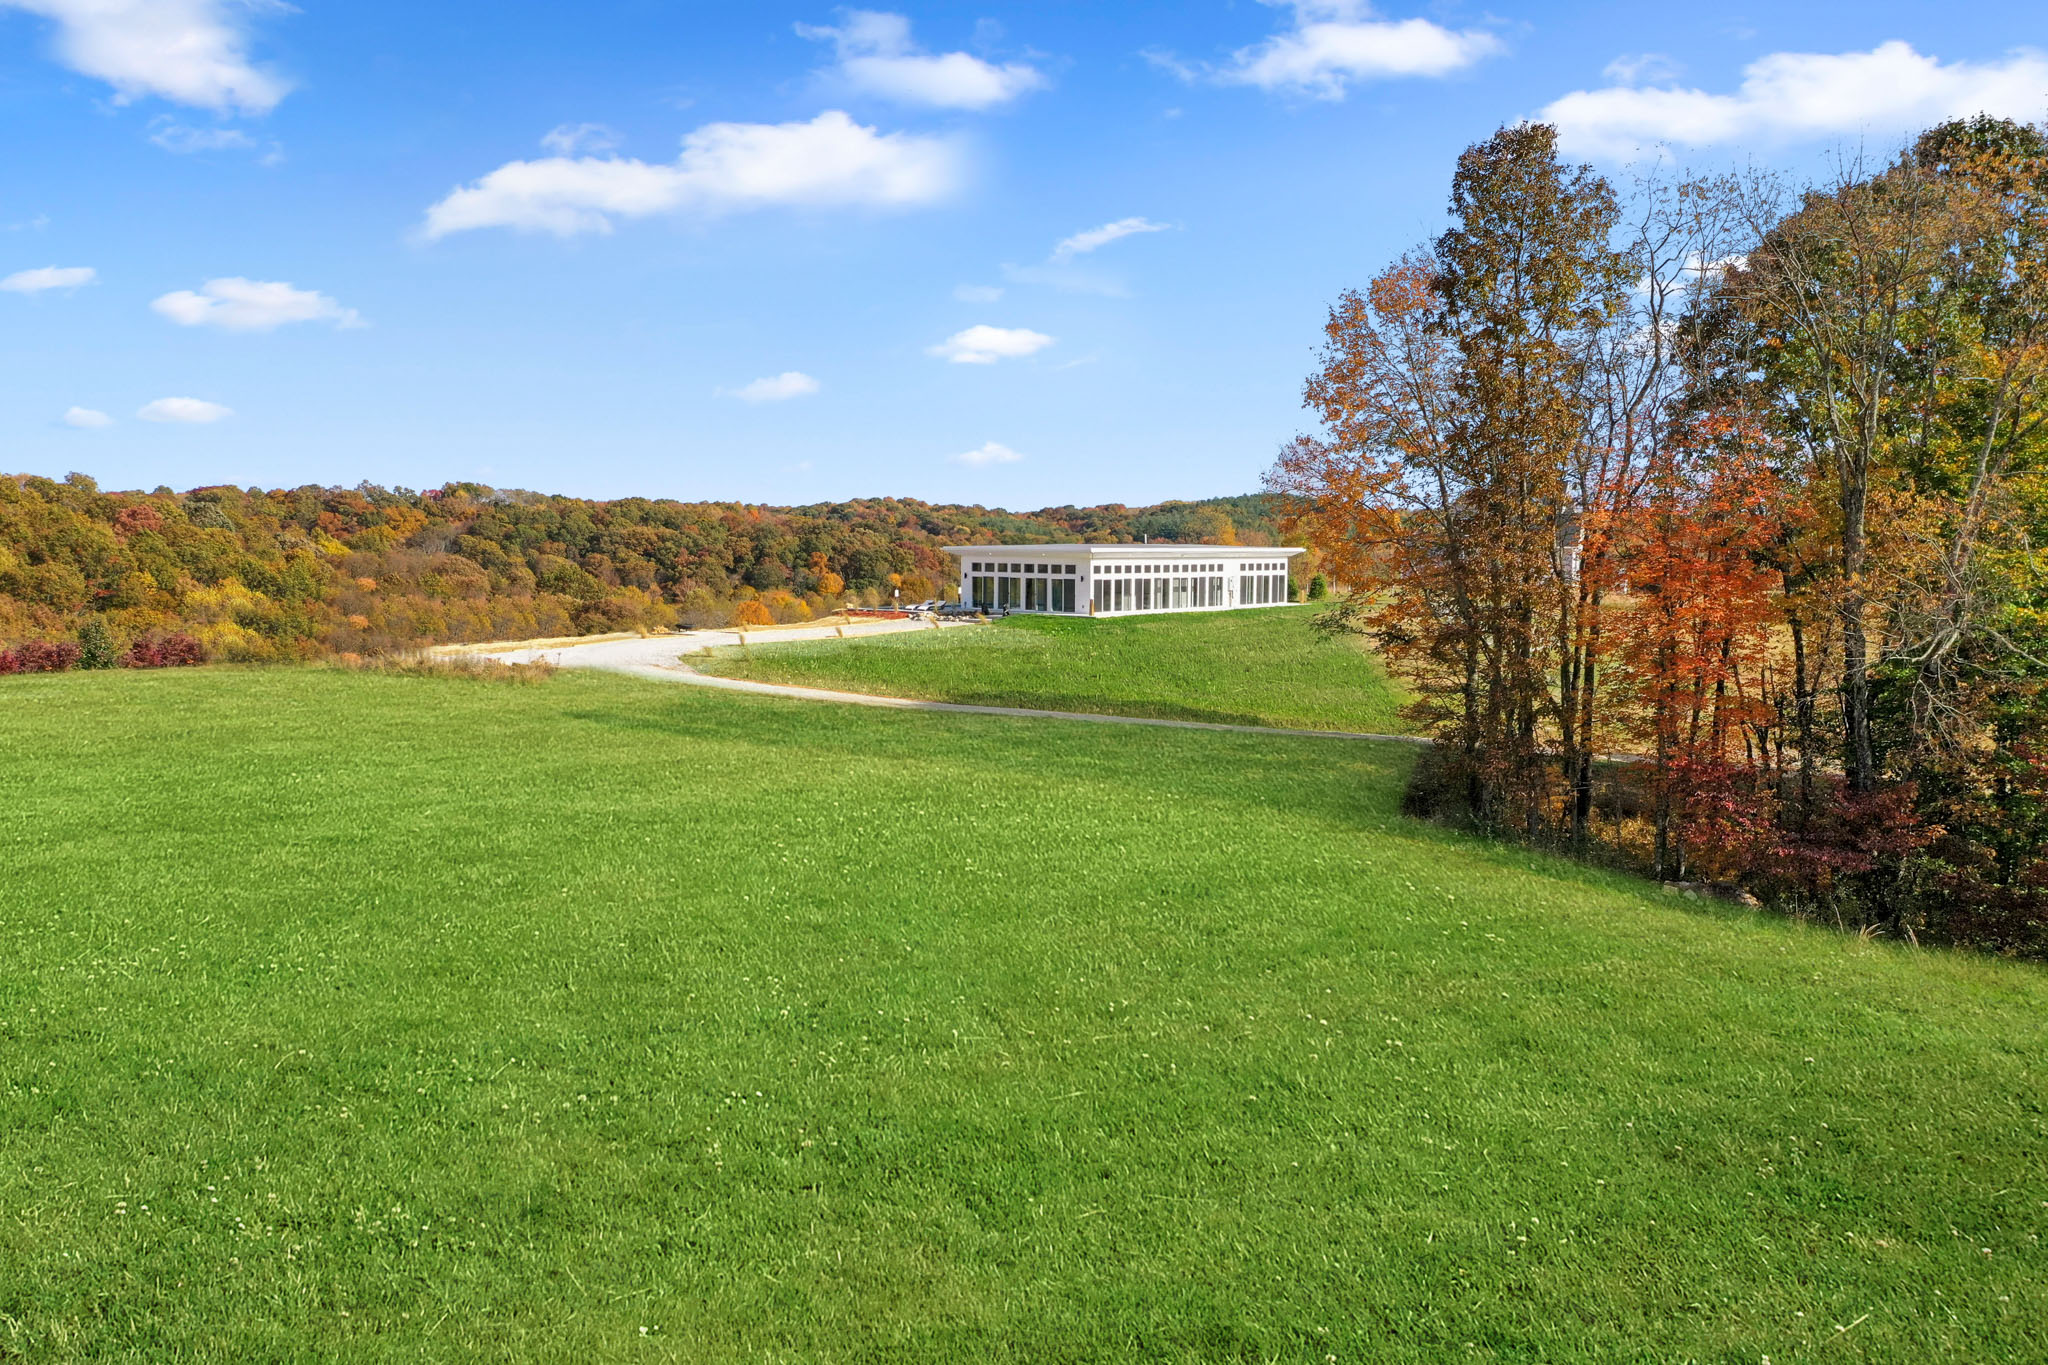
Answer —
1180 592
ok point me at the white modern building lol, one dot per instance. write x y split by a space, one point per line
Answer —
1121 580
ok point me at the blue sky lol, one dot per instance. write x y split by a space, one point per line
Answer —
1007 254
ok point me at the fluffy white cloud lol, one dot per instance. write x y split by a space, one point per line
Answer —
49 277
877 57
775 388
240 305
1792 95
1083 242
191 52
1334 42
829 161
571 138
977 293
988 452
86 418
985 345
183 410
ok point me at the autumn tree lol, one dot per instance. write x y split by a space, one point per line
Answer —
1840 295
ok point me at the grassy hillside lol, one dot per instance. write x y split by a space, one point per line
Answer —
365 1017
1242 667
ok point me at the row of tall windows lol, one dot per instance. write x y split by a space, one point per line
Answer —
1023 590
1258 590
1158 594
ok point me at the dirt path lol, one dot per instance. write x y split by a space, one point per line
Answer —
661 657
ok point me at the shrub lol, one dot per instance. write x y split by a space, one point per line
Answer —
95 645
176 650
42 656
750 614
1318 588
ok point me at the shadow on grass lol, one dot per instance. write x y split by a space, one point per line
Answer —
1095 704
1353 782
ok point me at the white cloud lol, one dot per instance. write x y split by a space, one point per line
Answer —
240 305
989 452
1172 65
86 418
571 138
192 52
173 136
1792 95
1334 42
877 57
829 161
977 293
1633 68
776 388
985 345
49 277
1082 242
183 410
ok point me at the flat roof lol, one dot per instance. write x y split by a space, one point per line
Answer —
1161 551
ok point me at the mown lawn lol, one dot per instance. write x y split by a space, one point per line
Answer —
1238 667
398 1018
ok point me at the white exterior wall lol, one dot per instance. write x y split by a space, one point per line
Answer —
1106 579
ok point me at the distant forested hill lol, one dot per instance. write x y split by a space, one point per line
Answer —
298 572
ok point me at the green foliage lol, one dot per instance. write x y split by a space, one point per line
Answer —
1265 667
96 645
1318 588
796 1032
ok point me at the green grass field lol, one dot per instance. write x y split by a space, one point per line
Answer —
1240 667
360 1017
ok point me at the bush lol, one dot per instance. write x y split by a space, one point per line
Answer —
750 614
39 656
1318 588
176 650
95 645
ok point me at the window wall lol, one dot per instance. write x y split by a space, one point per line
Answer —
1021 585
1171 585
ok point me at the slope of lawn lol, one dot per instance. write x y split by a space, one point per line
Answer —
1238 667
368 1017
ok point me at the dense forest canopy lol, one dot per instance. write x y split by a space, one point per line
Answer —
256 574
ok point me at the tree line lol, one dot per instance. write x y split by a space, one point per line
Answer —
255 574
1704 517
